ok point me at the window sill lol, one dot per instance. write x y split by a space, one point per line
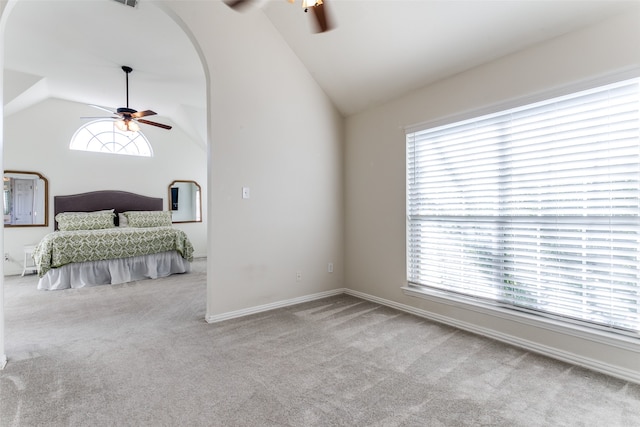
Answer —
558 326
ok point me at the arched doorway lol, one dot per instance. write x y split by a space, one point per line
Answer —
154 43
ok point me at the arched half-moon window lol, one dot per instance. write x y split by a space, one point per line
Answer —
102 136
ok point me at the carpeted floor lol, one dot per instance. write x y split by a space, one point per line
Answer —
141 354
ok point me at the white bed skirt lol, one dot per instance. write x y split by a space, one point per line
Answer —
122 270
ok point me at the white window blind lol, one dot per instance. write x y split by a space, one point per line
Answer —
534 208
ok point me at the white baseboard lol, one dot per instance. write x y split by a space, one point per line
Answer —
574 359
3 361
272 306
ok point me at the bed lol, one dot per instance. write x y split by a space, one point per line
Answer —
110 237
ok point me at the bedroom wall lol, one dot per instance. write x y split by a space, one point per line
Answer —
271 129
375 168
37 139
3 20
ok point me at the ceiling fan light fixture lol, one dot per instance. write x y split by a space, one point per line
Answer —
306 4
120 124
133 126
127 125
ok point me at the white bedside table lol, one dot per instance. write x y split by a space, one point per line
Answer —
28 264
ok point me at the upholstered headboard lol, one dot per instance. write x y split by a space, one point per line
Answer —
120 201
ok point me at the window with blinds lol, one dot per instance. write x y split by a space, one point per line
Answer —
535 208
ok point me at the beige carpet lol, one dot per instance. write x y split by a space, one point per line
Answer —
140 354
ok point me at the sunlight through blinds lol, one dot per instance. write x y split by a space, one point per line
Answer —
535 208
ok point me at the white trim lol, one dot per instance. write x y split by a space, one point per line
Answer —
3 361
519 101
615 371
271 306
558 326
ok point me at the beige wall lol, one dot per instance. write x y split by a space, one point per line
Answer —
375 165
272 129
3 22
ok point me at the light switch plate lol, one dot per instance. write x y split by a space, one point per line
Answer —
245 193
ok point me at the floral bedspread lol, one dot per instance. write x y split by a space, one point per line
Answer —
64 247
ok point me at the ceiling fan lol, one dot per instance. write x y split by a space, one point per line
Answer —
318 7
128 118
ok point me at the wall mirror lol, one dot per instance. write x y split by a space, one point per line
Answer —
185 201
26 199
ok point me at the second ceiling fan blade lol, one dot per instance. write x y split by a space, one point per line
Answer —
323 23
160 125
110 110
237 4
143 114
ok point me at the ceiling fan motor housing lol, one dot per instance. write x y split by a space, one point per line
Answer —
125 111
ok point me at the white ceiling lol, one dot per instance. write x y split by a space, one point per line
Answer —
379 50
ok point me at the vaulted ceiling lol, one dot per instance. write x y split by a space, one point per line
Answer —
379 49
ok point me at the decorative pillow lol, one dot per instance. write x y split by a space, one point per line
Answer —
141 219
68 221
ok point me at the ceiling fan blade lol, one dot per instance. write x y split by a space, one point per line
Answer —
110 110
143 114
237 4
160 125
323 23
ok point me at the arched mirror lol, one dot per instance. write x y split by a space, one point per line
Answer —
185 201
25 199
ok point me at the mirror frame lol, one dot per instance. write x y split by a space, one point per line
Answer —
46 199
199 213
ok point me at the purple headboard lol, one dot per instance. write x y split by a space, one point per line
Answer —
120 201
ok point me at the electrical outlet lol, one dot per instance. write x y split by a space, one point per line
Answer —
330 267
6 256
298 276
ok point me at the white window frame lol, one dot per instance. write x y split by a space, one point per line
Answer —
103 136
562 325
